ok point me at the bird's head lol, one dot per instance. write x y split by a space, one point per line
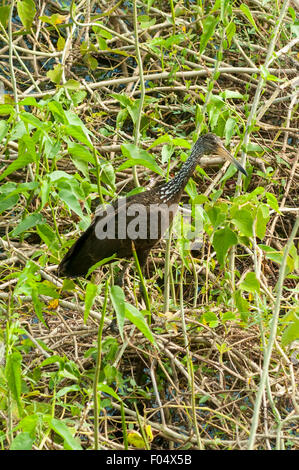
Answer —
212 144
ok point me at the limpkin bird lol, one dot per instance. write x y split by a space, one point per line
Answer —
113 229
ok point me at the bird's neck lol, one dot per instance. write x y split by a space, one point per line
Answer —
176 185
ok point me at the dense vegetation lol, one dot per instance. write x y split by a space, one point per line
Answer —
97 102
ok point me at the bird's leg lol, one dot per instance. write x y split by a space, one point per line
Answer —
142 257
119 280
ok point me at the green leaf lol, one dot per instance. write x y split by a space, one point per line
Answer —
72 84
100 263
26 11
250 283
13 376
70 443
211 318
291 332
3 129
71 200
230 32
7 202
4 15
117 297
38 306
242 305
271 253
90 295
229 129
216 215
135 439
138 156
230 94
209 25
78 133
22 441
272 201
138 319
21 162
244 221
55 75
65 390
29 221
223 240
244 8
106 389
262 218
60 43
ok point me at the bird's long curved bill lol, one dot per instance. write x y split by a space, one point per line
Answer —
225 153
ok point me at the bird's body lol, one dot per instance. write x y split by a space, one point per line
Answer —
142 218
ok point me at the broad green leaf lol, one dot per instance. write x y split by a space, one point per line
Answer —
135 439
78 133
58 112
272 254
291 332
118 301
138 156
211 319
244 8
20 162
230 94
105 34
3 129
13 376
125 100
70 443
71 200
242 305
28 423
161 140
45 191
4 15
244 221
121 117
7 202
55 74
53 360
106 389
65 390
22 441
138 319
26 11
229 129
146 21
59 174
250 283
38 306
54 19
223 240
230 32
6 109
272 201
216 216
29 221
262 218
72 84
99 263
209 25
90 295
60 44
